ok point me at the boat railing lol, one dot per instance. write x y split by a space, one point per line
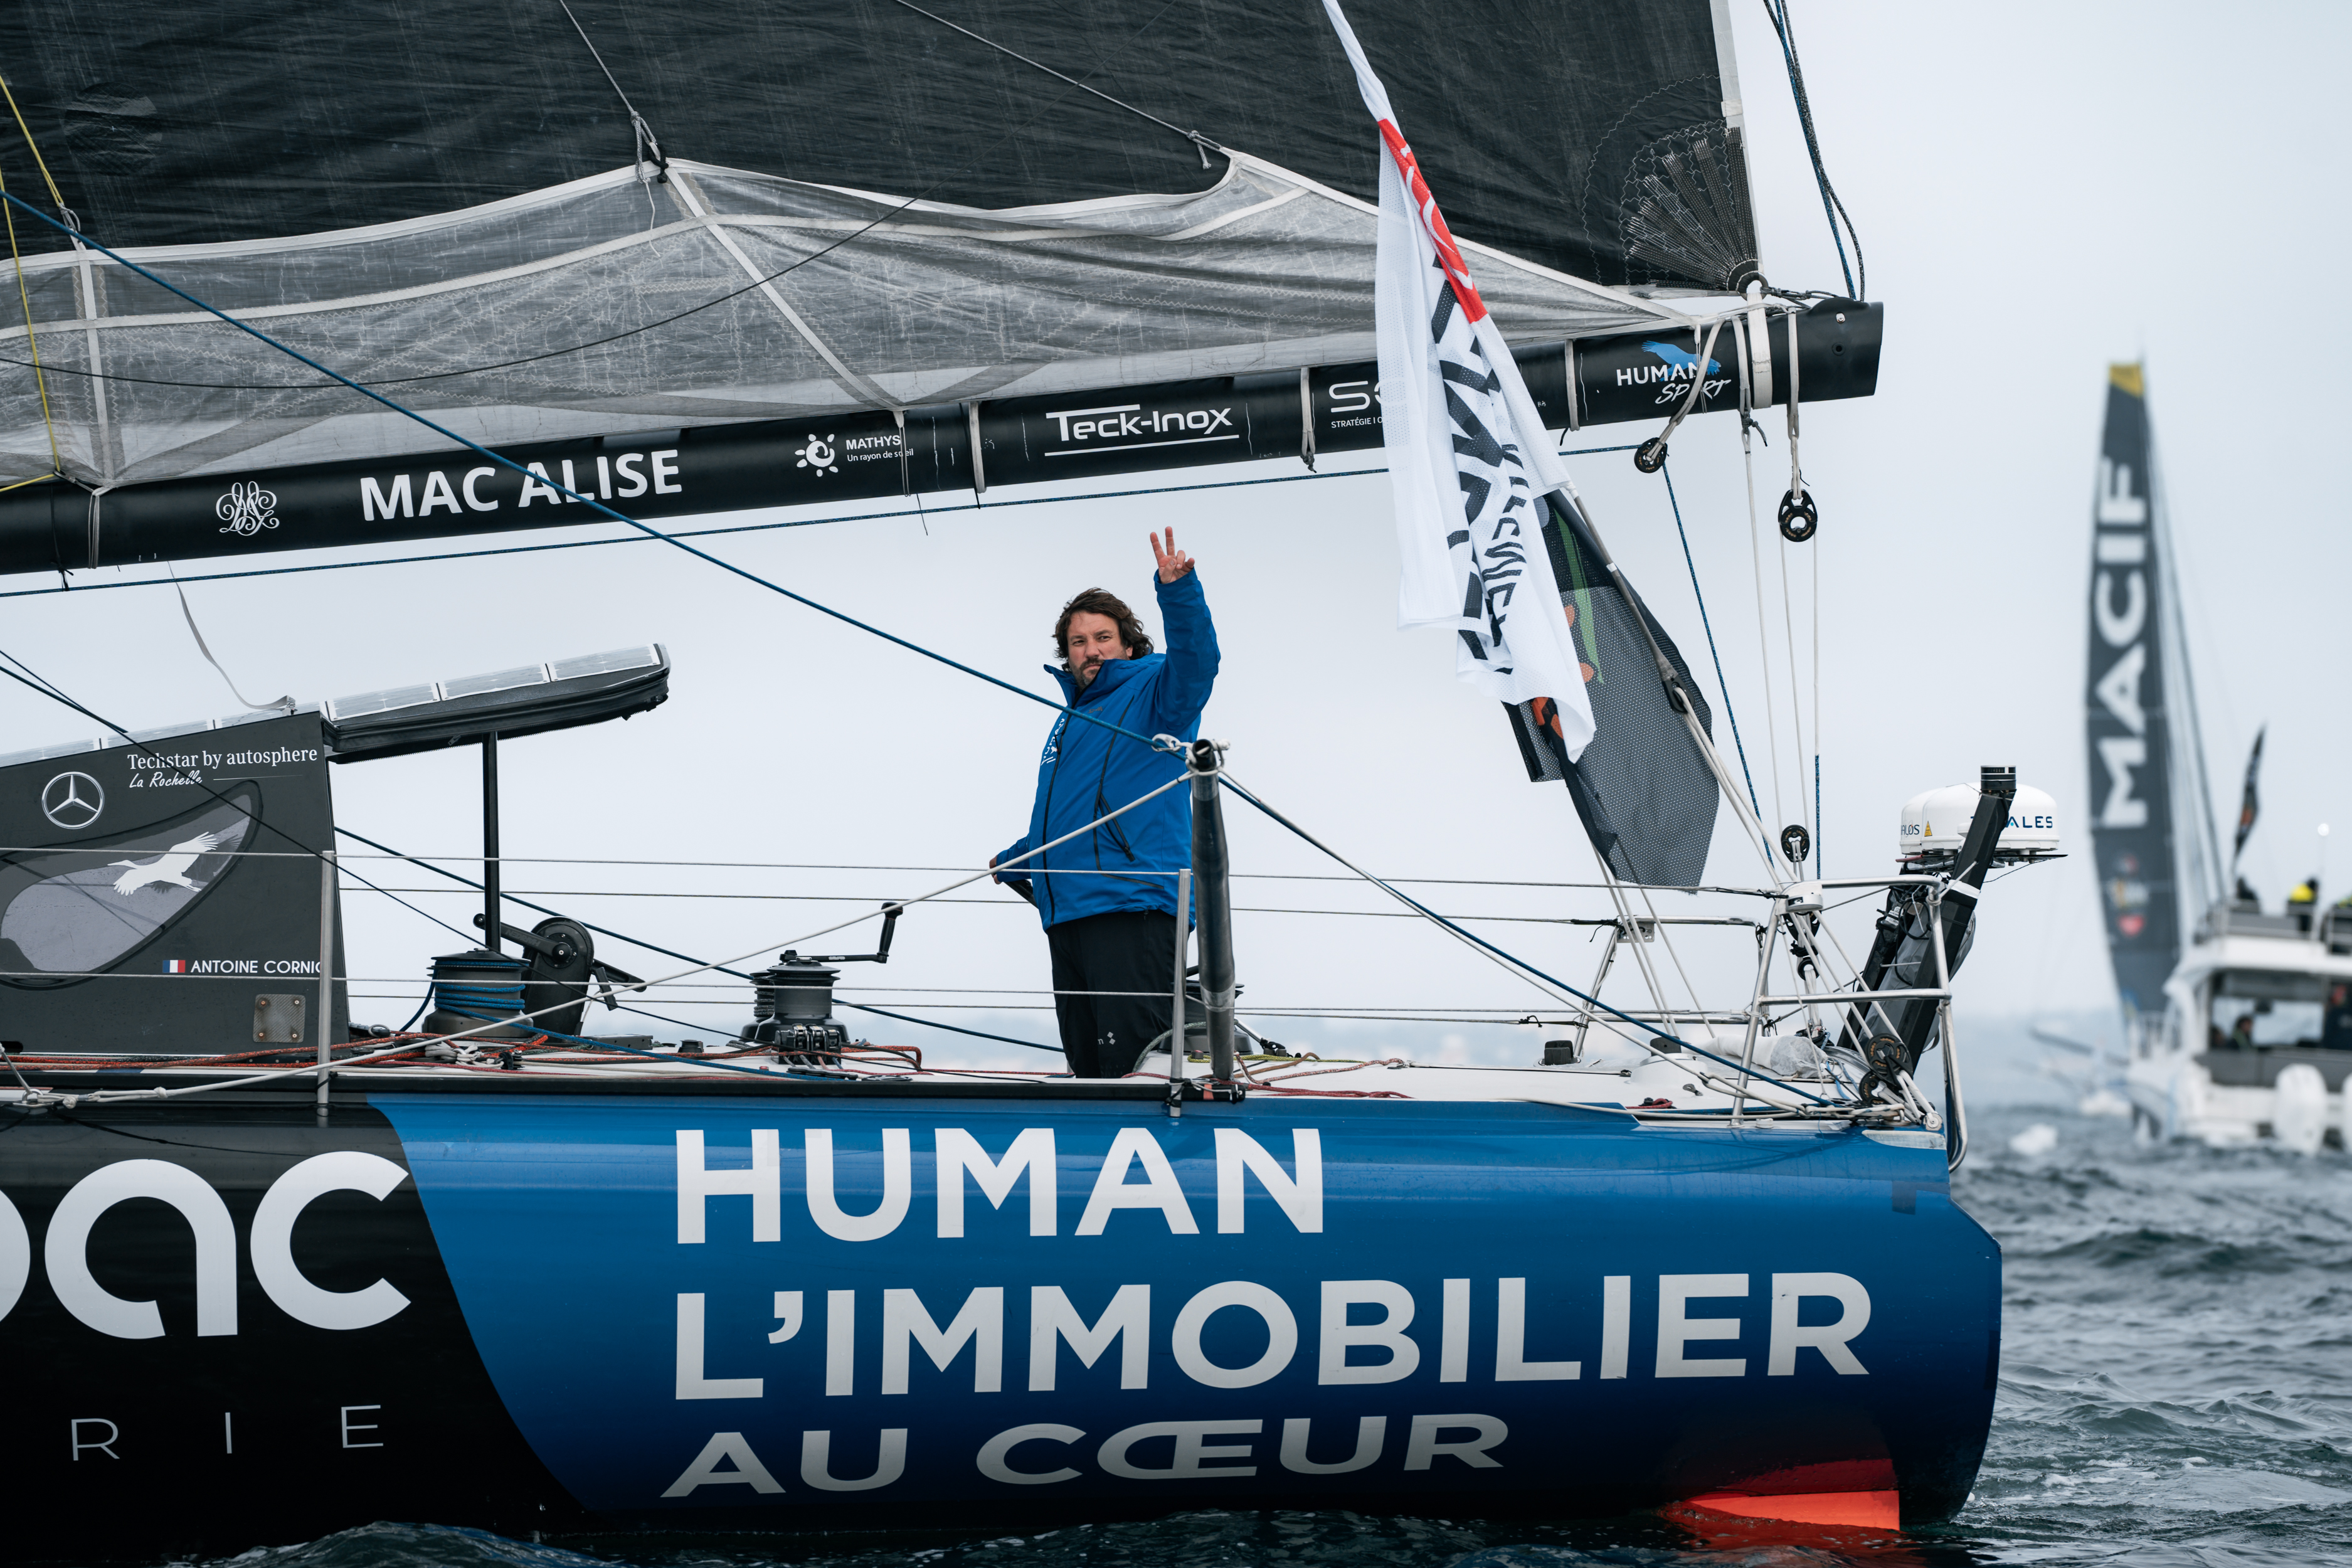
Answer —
1797 910
537 883
701 987
2222 921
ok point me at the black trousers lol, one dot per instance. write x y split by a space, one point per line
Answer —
1127 950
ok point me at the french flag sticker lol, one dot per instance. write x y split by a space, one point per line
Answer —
175 966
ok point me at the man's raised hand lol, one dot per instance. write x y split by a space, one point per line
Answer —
1172 563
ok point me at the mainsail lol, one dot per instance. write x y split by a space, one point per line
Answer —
2129 723
722 256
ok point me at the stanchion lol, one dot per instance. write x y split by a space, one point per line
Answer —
1211 868
1176 996
322 1022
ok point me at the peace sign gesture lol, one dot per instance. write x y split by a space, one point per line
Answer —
1172 563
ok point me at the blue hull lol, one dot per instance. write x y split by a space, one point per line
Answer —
563 1311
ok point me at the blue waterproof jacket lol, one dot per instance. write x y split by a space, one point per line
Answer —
1089 771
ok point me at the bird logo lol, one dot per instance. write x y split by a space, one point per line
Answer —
169 870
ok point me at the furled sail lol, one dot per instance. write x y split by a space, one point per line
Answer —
1646 791
2129 727
870 212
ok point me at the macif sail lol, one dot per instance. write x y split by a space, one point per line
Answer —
2129 726
718 256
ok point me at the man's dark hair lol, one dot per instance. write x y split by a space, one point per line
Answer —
1101 602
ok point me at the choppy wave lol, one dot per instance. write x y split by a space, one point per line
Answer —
2176 1389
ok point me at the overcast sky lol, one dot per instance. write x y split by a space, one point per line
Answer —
2040 190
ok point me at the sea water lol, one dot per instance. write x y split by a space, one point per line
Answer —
2176 1388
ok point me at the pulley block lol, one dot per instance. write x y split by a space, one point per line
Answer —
1651 455
1796 843
1799 516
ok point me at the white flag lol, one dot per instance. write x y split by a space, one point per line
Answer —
1469 458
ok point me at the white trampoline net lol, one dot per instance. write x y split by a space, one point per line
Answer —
550 316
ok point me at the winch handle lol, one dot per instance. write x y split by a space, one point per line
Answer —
532 942
881 953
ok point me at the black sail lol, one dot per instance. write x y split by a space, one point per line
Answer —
1605 154
2128 728
1643 788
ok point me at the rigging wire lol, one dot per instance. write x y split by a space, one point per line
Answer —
1796 701
867 866
1227 780
1857 279
1763 638
698 532
682 534
2205 842
589 501
1200 142
1720 684
25 300
56 198
1816 544
645 132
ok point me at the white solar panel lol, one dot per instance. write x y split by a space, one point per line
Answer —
381 701
503 680
608 663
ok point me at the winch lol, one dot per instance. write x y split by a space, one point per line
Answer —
547 988
792 1002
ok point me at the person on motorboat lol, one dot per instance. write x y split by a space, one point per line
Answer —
1108 899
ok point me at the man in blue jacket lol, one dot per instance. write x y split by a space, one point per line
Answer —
1109 898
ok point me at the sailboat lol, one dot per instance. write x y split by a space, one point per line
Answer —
276 1270
2239 1021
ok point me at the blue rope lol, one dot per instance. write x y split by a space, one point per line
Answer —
1592 1001
502 1002
590 501
921 512
683 533
1720 684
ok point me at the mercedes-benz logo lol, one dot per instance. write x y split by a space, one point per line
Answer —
72 801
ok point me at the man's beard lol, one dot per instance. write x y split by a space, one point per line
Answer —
1088 671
